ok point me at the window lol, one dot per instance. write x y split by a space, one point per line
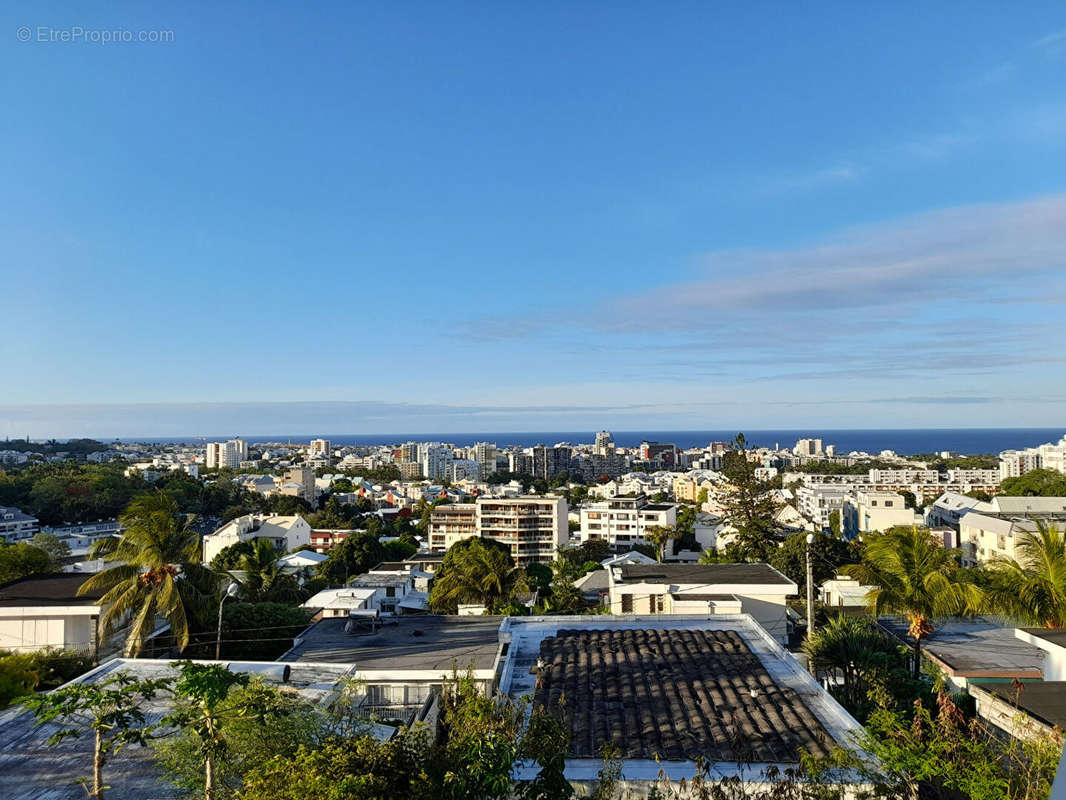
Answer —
657 603
627 604
888 504
390 591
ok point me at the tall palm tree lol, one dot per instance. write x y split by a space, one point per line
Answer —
915 577
262 580
1032 587
156 572
473 572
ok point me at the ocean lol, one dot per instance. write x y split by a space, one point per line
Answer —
902 440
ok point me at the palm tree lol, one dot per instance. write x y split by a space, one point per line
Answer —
473 572
857 654
1032 587
262 580
915 577
155 573
659 535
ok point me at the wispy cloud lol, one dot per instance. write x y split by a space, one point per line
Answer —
1054 42
938 294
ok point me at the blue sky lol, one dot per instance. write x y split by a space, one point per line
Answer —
527 216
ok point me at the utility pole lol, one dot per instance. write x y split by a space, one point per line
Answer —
810 586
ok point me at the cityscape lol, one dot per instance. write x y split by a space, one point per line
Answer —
533 401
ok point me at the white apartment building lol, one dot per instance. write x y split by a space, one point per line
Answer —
879 477
43 611
285 533
622 521
993 531
533 528
226 454
950 507
16 526
816 503
1015 463
435 460
320 448
867 512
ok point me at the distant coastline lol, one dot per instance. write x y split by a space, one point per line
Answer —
901 440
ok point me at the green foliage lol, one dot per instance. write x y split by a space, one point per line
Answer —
398 550
352 556
867 668
1035 483
1032 588
57 549
357 768
828 555
282 725
840 468
478 571
749 505
545 741
156 572
592 550
114 710
981 461
22 673
229 558
22 560
19 675
252 631
262 580
834 522
539 577
481 743
659 536
915 577
942 754
63 493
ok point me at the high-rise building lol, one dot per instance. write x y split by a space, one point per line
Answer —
226 454
808 447
604 443
303 478
550 461
435 459
320 448
532 528
485 456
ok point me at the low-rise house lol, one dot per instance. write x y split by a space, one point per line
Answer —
342 602
755 589
41 611
950 507
283 532
844 594
1053 644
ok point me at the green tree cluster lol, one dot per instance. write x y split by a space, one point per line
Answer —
478 571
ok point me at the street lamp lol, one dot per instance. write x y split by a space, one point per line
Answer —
231 591
810 587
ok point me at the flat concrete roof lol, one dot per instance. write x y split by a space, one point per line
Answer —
978 648
1045 701
32 769
419 643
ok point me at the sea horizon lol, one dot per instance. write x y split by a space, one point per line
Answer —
871 440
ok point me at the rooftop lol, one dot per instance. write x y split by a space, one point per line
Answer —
31 769
719 701
51 589
1044 701
978 648
711 574
421 643
668 690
